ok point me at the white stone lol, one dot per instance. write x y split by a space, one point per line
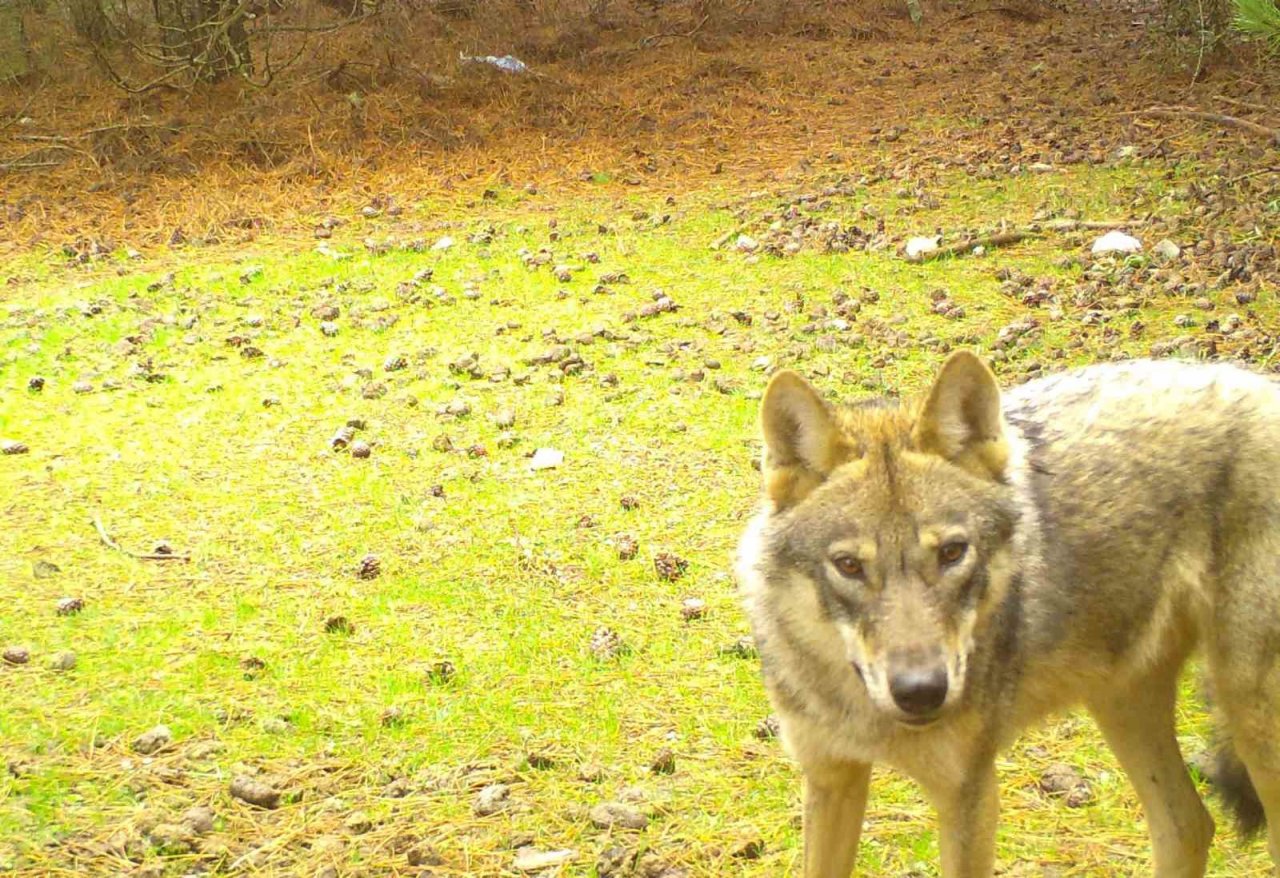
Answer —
1116 242
546 458
920 245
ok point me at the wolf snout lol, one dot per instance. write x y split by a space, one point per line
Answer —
919 691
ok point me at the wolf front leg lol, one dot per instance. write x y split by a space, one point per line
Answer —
835 798
967 814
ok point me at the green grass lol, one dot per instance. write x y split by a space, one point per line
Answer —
497 576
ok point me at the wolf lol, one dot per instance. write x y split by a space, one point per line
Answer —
926 579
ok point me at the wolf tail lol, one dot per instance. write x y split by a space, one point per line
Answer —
1232 783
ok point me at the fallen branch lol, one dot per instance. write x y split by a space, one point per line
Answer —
141 556
988 242
1260 172
1070 225
728 236
1272 134
1015 236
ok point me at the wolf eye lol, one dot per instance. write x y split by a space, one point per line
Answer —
849 566
952 552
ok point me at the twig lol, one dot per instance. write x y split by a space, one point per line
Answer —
728 236
1258 173
654 39
1070 225
1239 103
1272 134
141 556
18 116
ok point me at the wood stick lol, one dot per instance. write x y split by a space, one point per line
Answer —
1272 134
141 556
959 248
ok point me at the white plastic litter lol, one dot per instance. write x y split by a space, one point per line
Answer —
505 63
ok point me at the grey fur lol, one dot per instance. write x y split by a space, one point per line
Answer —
1113 519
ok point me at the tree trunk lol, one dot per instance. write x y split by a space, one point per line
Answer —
208 35
14 63
89 20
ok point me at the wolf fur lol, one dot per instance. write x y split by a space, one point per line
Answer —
924 580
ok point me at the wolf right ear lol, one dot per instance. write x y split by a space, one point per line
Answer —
801 439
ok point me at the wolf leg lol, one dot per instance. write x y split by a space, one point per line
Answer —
1138 724
835 798
967 815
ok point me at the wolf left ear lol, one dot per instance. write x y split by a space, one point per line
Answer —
961 419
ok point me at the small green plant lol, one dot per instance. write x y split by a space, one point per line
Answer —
1259 18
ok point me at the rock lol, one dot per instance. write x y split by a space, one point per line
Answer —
747 244
328 846
16 655
274 725
173 837
12 446
1116 242
546 458
607 815
920 245
153 741
255 792
423 855
693 608
328 328
1166 251
443 244
532 860
615 861
199 819
358 823
63 661
751 849
492 799
360 449
1064 781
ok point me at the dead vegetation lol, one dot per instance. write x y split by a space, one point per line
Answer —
376 99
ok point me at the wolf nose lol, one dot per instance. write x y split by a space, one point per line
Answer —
919 692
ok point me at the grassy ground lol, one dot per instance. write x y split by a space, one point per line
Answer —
213 394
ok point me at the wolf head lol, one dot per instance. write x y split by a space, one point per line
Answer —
900 518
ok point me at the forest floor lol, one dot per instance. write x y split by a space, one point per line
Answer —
369 512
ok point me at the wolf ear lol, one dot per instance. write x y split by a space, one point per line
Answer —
802 443
961 419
